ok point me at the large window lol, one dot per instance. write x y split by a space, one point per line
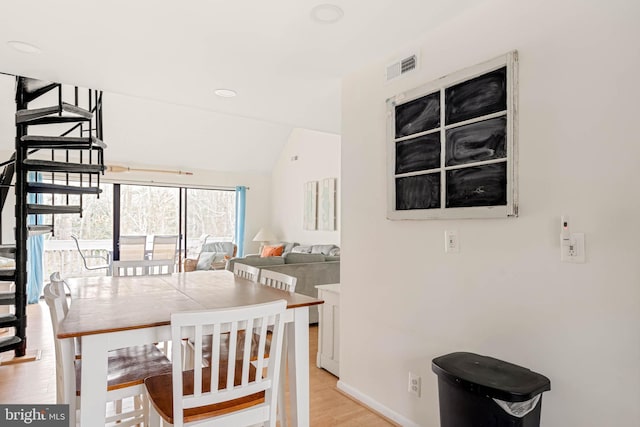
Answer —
147 211
209 212
140 210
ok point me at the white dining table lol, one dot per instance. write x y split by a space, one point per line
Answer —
115 312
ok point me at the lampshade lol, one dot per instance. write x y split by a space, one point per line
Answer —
264 235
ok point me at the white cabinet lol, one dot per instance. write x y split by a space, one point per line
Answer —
329 328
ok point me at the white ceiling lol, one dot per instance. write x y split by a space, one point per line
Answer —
285 67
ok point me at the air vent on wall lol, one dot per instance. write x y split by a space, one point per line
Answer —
402 66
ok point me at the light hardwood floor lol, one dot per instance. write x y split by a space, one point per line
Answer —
35 383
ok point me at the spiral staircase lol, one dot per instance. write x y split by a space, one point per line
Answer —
58 151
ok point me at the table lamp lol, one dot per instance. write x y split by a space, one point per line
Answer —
264 236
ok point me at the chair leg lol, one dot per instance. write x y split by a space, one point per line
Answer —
282 408
145 408
154 418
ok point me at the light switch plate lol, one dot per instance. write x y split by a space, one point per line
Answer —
451 241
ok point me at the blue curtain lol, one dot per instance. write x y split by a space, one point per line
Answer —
35 250
241 204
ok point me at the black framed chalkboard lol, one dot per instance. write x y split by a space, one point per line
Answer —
452 145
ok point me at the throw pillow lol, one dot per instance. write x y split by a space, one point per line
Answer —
334 252
301 250
321 249
271 251
205 260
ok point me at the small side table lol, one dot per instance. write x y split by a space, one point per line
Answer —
329 328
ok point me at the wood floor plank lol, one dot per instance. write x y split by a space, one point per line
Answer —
35 382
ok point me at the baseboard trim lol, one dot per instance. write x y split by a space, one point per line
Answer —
30 356
375 406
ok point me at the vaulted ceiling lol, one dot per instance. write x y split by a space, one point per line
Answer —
159 63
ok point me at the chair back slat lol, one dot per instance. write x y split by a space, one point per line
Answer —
215 367
246 271
278 280
246 352
227 378
233 346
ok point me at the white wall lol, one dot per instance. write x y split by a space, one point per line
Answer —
506 294
318 157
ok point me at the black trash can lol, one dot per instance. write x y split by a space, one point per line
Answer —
480 391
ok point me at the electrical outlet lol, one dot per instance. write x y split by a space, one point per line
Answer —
573 250
415 383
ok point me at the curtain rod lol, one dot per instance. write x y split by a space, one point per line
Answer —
168 184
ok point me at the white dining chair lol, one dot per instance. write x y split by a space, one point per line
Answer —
232 391
278 280
246 271
146 267
126 370
286 283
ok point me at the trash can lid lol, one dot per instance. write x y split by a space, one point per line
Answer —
492 377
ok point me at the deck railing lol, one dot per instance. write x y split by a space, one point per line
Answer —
63 256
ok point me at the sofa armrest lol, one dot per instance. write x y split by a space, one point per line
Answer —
256 261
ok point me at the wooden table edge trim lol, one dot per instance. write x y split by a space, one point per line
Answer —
153 325
111 330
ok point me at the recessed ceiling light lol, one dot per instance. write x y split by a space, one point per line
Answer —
327 13
24 47
225 93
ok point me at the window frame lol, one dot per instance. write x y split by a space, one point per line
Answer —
510 61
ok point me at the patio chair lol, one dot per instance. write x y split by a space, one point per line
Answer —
164 247
213 256
132 248
105 261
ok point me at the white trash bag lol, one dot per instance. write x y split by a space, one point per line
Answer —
519 409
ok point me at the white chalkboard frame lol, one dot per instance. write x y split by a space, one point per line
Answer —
510 60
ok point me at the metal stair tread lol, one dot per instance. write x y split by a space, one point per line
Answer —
7 297
28 115
53 166
34 88
9 343
53 209
57 119
7 320
8 250
62 142
40 187
35 230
